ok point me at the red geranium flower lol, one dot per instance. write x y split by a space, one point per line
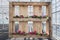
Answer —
30 32
23 32
19 31
21 16
35 32
33 16
14 33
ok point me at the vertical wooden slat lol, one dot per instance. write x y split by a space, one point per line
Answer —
47 22
47 27
50 22
40 8
24 10
26 26
11 9
47 10
10 27
40 27
20 26
35 27
23 26
36 10
13 26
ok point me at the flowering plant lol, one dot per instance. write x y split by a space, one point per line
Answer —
16 16
34 16
40 17
21 16
33 33
44 16
14 33
21 33
45 34
18 31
